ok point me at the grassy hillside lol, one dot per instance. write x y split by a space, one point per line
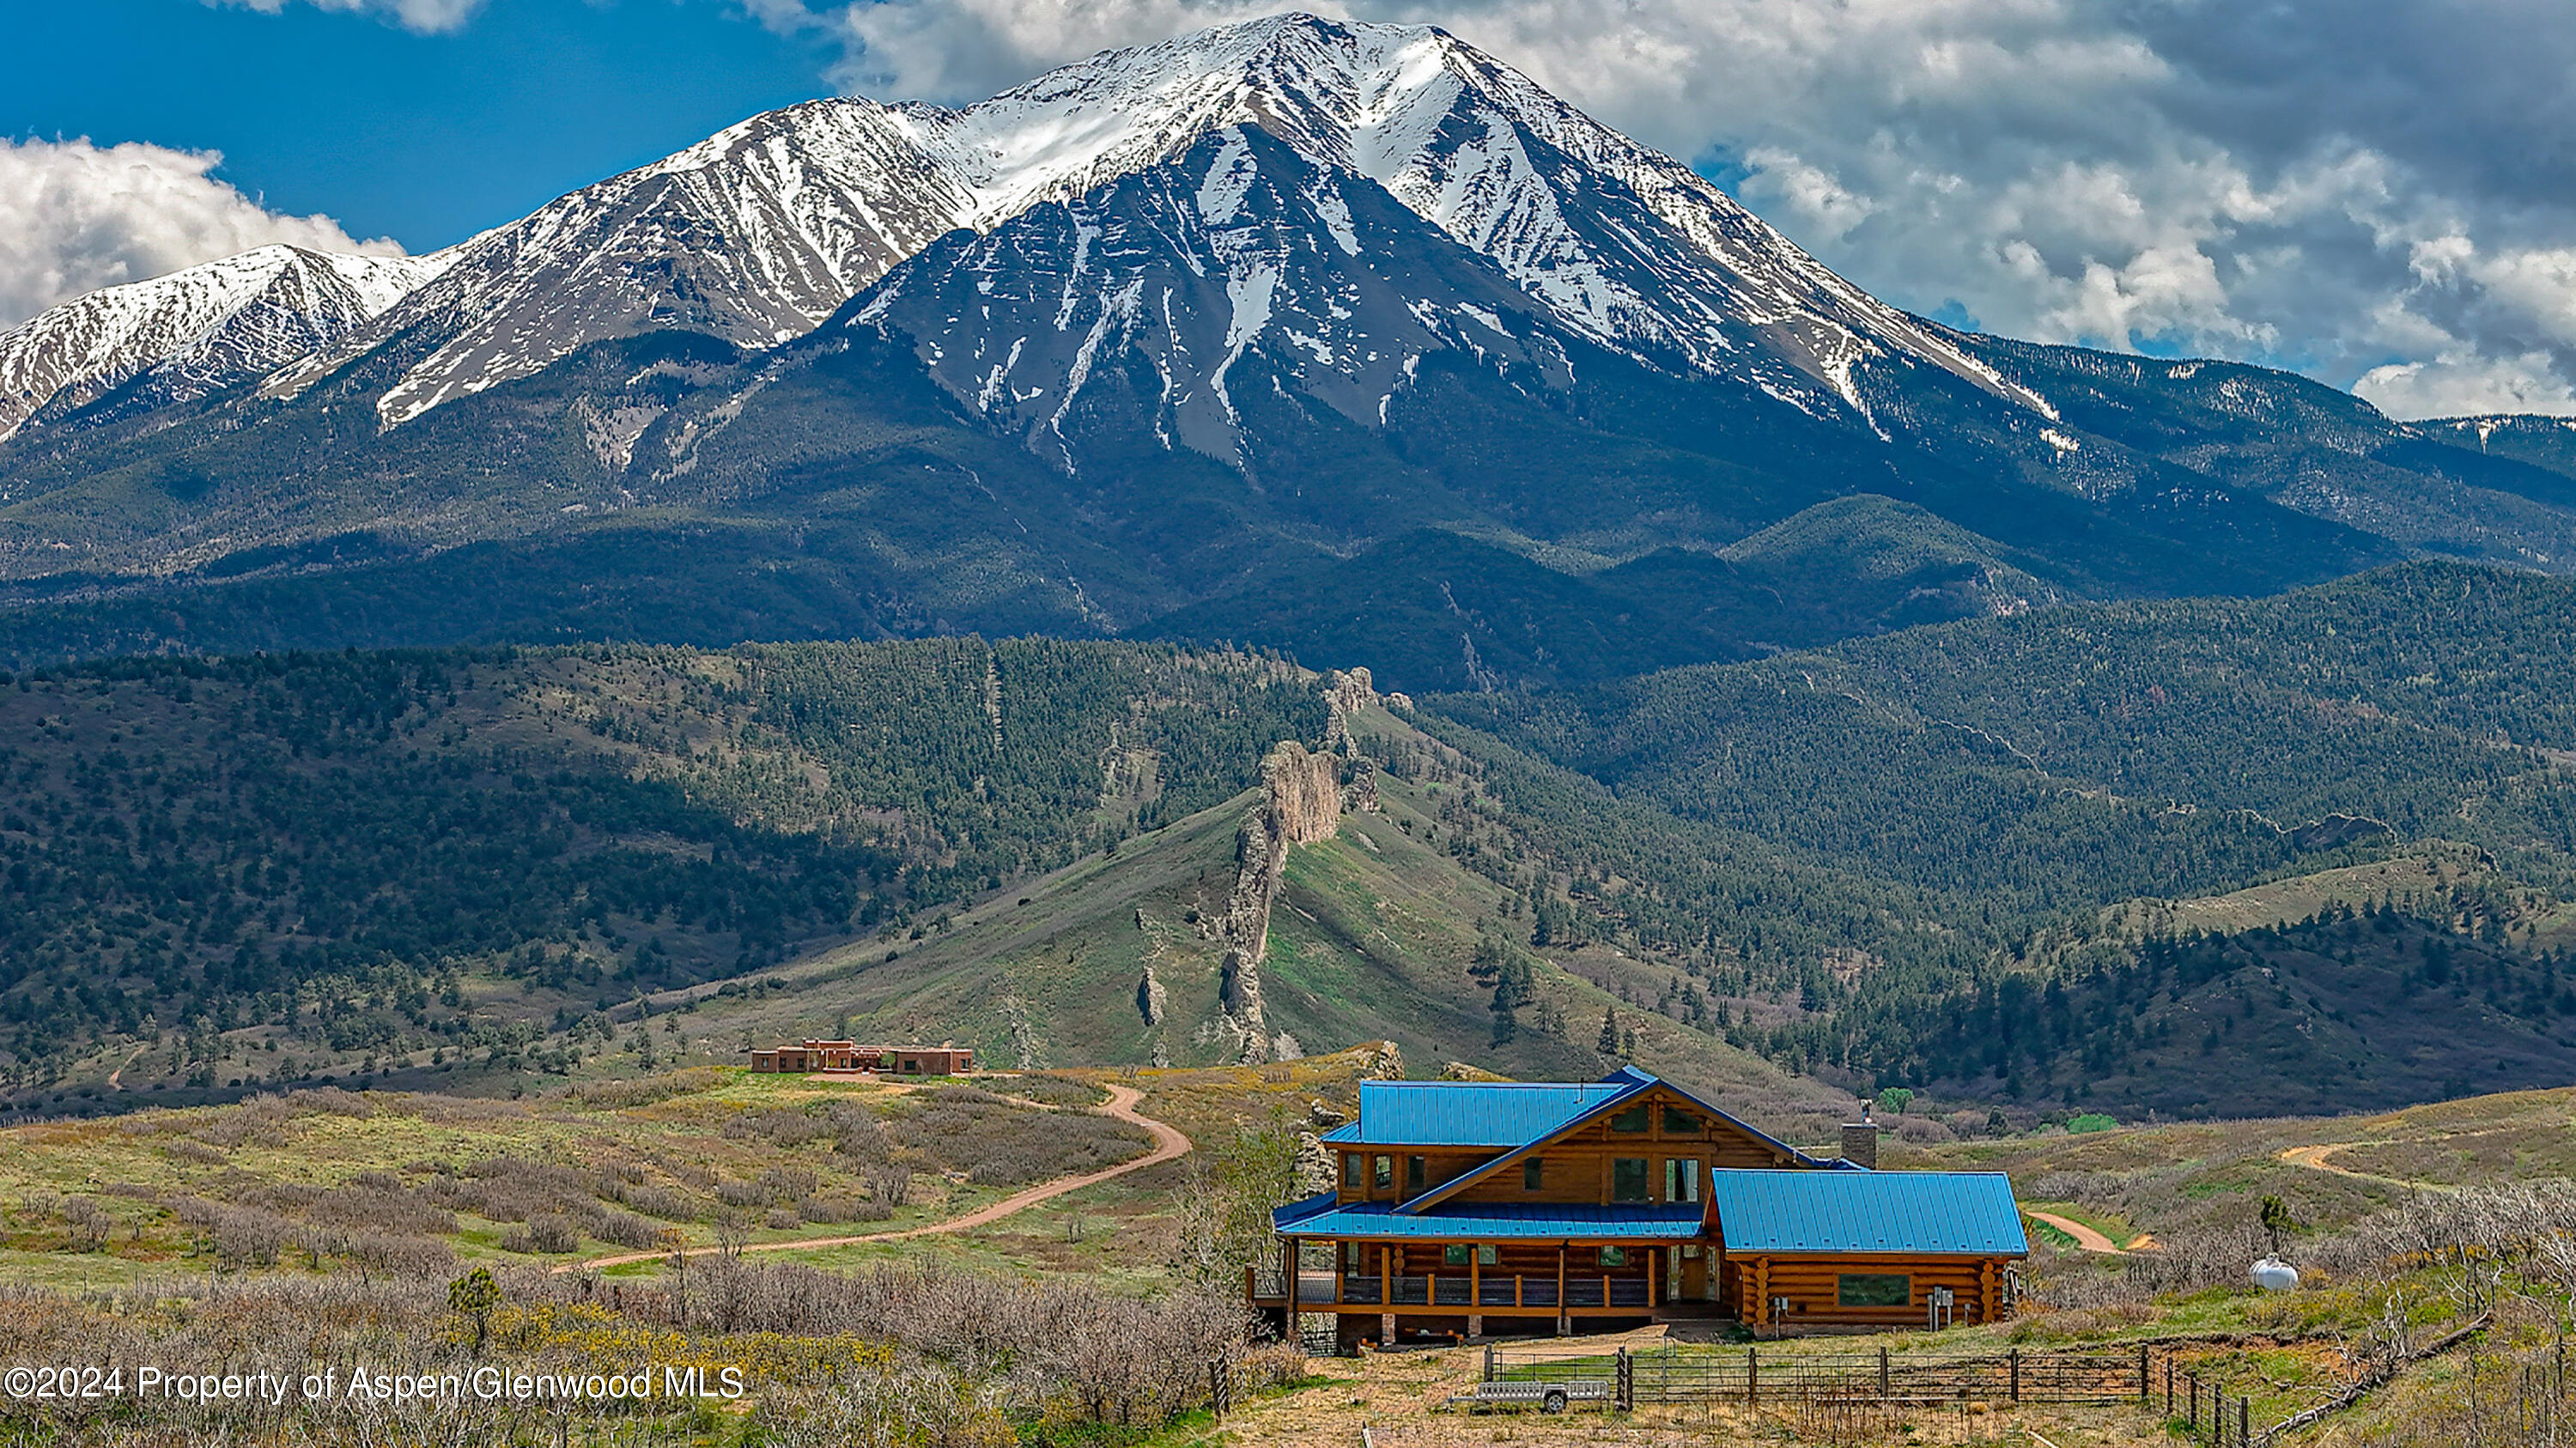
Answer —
277 868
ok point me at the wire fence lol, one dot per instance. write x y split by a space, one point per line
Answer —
1748 1375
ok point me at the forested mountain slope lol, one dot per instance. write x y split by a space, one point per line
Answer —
1909 836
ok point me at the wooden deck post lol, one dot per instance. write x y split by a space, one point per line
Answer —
1564 1317
1652 1257
1288 1269
1386 1282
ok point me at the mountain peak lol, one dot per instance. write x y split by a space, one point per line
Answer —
198 329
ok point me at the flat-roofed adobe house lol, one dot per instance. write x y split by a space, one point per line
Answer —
1483 1208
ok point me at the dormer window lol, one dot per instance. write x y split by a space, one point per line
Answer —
1415 1176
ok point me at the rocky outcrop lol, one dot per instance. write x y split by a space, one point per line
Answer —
1346 692
1151 997
1384 1063
1301 803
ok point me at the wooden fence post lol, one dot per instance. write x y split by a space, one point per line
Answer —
1220 1388
1882 1374
2146 1390
1752 1375
2244 1423
2191 1382
2015 1357
1627 1382
1489 1363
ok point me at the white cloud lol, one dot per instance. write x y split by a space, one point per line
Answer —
422 17
75 217
2253 181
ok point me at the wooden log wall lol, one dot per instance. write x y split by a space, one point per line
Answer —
1813 1286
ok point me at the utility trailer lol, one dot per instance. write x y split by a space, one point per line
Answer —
1547 1397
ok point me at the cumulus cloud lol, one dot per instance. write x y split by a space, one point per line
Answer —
75 217
422 17
2312 183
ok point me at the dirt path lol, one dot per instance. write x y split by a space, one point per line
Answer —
116 1078
2314 1159
2085 1237
1169 1144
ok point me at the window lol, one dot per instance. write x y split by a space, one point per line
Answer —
1855 1289
1413 1174
1681 1179
1352 1170
1634 1119
1628 1182
1385 1178
1532 1172
1355 1257
1614 1256
1678 1122
1456 1254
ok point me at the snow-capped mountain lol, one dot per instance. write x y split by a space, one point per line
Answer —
1179 323
1239 244
758 233
180 336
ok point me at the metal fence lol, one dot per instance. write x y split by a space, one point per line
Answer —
1750 1375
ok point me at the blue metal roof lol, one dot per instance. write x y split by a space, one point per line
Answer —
1493 1114
1943 1212
1499 1222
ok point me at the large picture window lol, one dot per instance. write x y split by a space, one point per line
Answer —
1871 1289
1628 1180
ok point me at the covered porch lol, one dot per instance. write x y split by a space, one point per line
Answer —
1497 1270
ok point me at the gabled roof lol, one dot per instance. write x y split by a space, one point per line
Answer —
1636 1083
1502 1222
1913 1212
1495 1115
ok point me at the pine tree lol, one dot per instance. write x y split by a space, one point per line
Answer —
1609 1031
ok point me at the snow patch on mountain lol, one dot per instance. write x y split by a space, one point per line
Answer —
196 330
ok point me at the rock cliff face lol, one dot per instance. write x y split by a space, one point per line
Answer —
1301 804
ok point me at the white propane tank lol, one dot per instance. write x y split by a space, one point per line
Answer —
2274 1275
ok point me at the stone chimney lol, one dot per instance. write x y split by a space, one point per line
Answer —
1860 1142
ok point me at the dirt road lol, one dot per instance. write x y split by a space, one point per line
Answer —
2085 1237
1169 1144
2314 1158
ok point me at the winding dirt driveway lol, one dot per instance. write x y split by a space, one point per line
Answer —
1169 1144
2314 1158
2085 1237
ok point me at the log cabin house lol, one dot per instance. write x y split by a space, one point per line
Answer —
1491 1208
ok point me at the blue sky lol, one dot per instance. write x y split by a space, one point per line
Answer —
426 138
